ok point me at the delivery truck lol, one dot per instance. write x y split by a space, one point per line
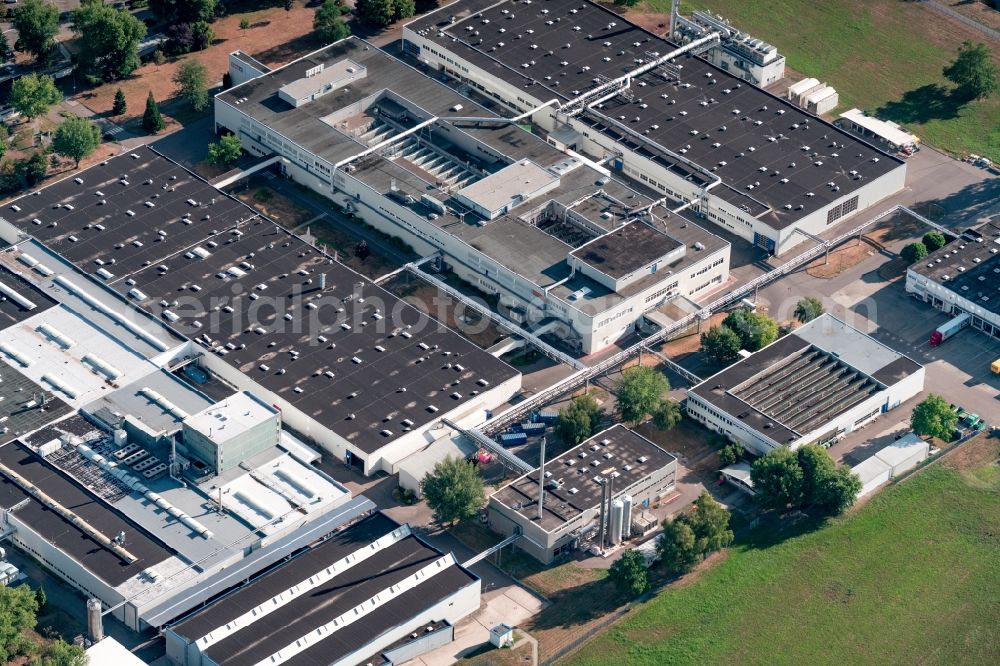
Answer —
949 328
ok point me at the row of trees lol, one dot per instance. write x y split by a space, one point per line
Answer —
640 393
19 607
931 241
685 541
741 329
785 479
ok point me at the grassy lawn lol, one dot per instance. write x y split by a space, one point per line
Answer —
911 577
880 55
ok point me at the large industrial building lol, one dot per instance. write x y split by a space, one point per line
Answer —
963 277
549 233
598 482
811 386
184 274
370 589
745 159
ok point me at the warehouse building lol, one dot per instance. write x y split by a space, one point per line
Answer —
745 159
812 386
371 589
548 233
963 277
606 478
183 273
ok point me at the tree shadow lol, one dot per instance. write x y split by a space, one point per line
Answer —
283 53
961 208
929 102
579 605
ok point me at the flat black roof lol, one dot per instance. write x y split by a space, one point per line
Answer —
968 266
708 117
304 614
627 249
65 536
11 310
20 404
97 236
573 487
408 366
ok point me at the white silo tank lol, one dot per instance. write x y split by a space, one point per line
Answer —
627 516
617 511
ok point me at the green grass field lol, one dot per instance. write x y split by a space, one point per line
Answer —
882 56
911 578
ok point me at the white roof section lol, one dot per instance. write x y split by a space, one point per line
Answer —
69 355
110 652
280 493
802 86
322 79
154 403
886 129
870 470
231 417
903 450
65 284
515 183
860 351
297 448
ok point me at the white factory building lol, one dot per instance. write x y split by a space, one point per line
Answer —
745 159
549 234
812 386
591 491
963 277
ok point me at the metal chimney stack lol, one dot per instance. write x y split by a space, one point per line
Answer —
95 621
673 18
322 281
541 483
604 504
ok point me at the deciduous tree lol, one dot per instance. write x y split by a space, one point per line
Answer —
808 308
756 329
974 71
18 607
721 344
34 95
777 479
578 420
183 11
730 454
76 138
629 573
454 490
677 546
913 252
934 417
37 23
328 24
667 414
639 392
934 240
192 84
108 40
225 151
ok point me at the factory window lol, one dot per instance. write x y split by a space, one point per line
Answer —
841 210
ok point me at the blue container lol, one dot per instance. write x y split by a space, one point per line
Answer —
533 428
547 417
513 438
